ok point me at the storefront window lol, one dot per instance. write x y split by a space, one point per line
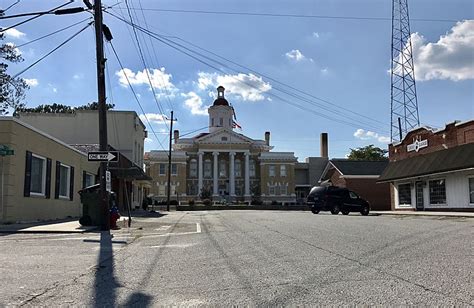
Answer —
471 190
404 194
193 168
437 192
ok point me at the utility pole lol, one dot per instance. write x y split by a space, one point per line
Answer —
103 144
169 165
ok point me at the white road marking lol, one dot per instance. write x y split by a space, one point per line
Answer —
198 227
173 246
163 228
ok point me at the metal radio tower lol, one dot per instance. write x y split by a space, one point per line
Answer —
404 104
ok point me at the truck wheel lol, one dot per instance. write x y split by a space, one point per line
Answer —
335 209
315 211
365 211
345 212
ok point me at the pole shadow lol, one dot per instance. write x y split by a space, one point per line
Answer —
105 283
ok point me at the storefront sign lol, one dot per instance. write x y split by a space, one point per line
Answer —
417 145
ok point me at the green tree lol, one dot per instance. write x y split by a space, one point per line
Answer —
369 152
59 108
12 90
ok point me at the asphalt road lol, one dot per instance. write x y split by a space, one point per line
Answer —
257 258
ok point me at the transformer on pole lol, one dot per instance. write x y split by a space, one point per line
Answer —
404 104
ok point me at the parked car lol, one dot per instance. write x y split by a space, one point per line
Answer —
336 199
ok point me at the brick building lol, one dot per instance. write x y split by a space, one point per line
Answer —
360 177
433 169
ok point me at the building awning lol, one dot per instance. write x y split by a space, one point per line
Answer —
130 173
453 159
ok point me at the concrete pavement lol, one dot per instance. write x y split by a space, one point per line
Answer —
255 258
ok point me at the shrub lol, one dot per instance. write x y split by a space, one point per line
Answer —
274 202
207 202
191 202
174 202
256 202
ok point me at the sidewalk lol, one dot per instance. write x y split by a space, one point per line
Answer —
45 227
425 213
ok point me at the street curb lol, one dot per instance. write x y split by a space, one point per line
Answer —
243 207
426 215
47 231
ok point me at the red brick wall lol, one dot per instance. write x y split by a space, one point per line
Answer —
378 195
336 179
449 137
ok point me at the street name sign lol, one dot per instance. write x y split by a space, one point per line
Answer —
107 156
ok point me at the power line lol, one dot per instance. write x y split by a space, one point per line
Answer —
55 32
167 42
290 15
34 17
170 104
56 48
11 5
135 95
160 108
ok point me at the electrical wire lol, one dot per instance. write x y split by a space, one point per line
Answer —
34 17
160 108
53 50
168 94
290 15
11 5
52 33
136 97
155 36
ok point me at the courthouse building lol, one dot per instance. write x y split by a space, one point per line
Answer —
226 164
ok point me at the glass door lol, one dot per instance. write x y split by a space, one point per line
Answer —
420 204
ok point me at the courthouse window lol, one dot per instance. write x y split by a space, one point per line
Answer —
162 169
404 193
193 168
238 168
252 168
437 192
271 170
174 169
207 168
283 170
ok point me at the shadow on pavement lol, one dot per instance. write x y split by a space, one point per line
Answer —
138 299
105 282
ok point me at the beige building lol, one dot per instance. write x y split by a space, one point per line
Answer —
224 163
42 178
126 134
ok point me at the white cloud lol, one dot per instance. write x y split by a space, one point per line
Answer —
33 82
295 54
148 140
159 79
324 71
316 35
154 118
370 135
14 33
194 103
247 87
451 57
78 76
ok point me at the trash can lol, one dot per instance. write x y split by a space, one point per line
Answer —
91 210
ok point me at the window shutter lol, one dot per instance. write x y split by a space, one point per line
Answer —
47 186
27 186
71 184
83 179
58 175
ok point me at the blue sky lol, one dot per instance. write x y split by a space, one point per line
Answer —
345 62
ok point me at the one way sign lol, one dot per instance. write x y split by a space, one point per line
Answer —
109 156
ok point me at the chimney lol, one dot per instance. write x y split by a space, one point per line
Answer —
267 138
324 145
176 135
